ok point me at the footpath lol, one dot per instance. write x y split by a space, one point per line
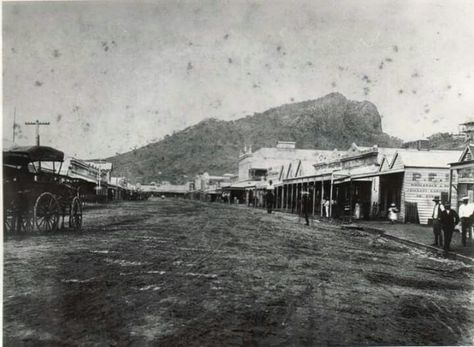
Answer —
416 235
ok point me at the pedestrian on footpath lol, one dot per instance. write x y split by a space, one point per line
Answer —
449 219
437 211
465 213
357 210
393 213
305 206
326 207
269 197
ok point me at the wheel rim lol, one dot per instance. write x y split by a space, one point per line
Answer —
27 223
46 214
75 217
8 221
12 215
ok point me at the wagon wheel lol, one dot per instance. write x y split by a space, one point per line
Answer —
46 213
8 220
75 214
27 223
14 215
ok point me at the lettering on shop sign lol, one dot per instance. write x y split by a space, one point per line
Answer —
426 184
466 175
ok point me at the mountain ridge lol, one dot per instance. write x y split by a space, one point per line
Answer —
213 145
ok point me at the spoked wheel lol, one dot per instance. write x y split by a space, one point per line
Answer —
75 214
16 220
46 213
27 222
8 220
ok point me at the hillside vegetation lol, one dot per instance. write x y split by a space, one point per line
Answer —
446 141
213 145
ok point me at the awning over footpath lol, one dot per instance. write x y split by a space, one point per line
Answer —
246 185
305 179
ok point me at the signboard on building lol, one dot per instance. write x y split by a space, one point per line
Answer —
426 184
466 175
422 185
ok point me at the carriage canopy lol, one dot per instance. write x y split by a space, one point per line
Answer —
31 154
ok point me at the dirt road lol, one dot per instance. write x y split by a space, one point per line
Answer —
179 272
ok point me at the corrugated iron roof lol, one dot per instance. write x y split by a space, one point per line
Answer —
436 158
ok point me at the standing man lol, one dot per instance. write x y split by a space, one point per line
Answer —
465 212
305 206
269 197
449 219
326 207
437 210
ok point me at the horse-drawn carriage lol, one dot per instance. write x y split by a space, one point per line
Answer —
36 195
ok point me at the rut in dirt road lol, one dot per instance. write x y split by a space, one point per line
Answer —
179 272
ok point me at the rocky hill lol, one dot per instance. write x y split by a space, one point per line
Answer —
213 145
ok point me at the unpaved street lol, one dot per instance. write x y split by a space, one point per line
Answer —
180 272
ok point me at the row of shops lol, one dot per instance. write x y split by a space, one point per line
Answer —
97 182
360 182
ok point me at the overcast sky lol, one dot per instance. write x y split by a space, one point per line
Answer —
109 76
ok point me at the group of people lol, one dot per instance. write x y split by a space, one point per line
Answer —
446 219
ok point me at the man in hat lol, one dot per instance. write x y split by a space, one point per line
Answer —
269 196
465 213
305 206
449 219
437 210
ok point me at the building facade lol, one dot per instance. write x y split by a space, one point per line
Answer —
462 176
374 178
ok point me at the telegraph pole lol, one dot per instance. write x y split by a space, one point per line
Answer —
37 123
14 125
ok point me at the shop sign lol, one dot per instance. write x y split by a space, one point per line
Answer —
359 162
426 184
466 175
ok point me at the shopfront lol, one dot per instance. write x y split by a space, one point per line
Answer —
462 176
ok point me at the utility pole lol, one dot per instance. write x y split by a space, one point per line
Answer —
37 123
14 125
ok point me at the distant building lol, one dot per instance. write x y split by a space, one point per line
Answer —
462 177
417 144
95 181
260 164
257 168
467 129
210 187
105 169
118 188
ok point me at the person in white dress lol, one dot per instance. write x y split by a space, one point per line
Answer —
357 211
392 213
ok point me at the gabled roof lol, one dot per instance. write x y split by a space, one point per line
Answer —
282 173
386 163
396 159
305 168
290 169
468 151
416 158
